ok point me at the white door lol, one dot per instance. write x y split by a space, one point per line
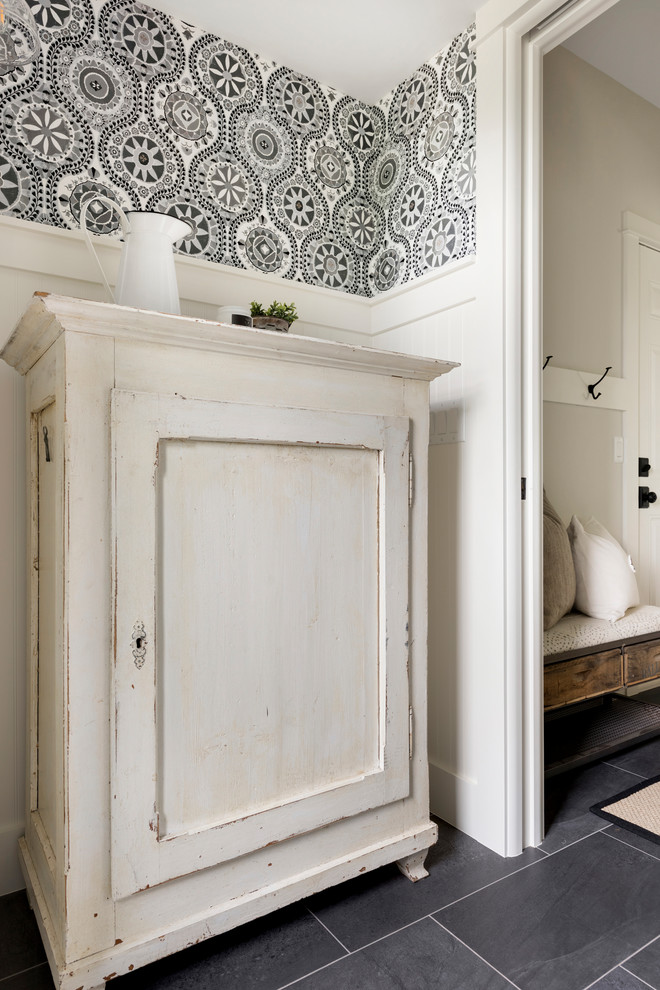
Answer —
261 586
648 567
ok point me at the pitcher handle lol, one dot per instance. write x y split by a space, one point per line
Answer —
123 220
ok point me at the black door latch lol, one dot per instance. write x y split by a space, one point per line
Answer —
646 497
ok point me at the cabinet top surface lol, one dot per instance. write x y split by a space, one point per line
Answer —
49 315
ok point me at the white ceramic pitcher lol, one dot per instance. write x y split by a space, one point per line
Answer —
147 278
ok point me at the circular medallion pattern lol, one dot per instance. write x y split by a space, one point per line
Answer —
386 270
412 101
227 185
264 249
96 84
299 207
9 185
50 13
265 143
461 65
463 178
299 101
143 159
45 132
142 35
439 136
441 243
186 115
331 265
412 205
361 227
227 75
330 166
296 204
191 119
14 186
386 174
361 130
226 71
103 91
411 104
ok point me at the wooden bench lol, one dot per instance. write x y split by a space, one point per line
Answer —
585 717
576 675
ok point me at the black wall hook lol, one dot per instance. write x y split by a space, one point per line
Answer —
546 362
591 388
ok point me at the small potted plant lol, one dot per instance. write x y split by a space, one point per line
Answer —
278 316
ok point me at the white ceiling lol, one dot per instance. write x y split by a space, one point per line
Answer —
624 43
364 48
367 47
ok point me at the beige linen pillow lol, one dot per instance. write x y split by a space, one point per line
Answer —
558 569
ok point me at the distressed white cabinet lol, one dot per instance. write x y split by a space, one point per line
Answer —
228 625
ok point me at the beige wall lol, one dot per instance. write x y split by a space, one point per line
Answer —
601 156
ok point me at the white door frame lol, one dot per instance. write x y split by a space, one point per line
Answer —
512 38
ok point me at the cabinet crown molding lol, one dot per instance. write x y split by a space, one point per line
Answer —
50 315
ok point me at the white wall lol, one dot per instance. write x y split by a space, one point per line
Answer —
601 157
438 320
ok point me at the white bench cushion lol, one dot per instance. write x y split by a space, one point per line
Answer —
577 632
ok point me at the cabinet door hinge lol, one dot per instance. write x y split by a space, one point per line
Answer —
410 481
410 733
523 488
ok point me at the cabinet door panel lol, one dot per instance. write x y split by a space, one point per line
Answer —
268 662
261 589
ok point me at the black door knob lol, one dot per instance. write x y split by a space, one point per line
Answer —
645 497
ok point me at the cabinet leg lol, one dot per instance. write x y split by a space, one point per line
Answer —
413 866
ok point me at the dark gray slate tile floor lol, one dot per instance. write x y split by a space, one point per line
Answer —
582 912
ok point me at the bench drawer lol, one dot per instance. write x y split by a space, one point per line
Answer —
642 662
585 677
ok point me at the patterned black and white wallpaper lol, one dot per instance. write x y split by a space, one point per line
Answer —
276 172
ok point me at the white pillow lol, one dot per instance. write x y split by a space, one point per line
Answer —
604 574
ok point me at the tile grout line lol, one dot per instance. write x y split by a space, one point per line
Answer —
633 772
474 953
313 972
638 978
596 831
352 952
620 965
515 872
20 972
316 918
623 842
